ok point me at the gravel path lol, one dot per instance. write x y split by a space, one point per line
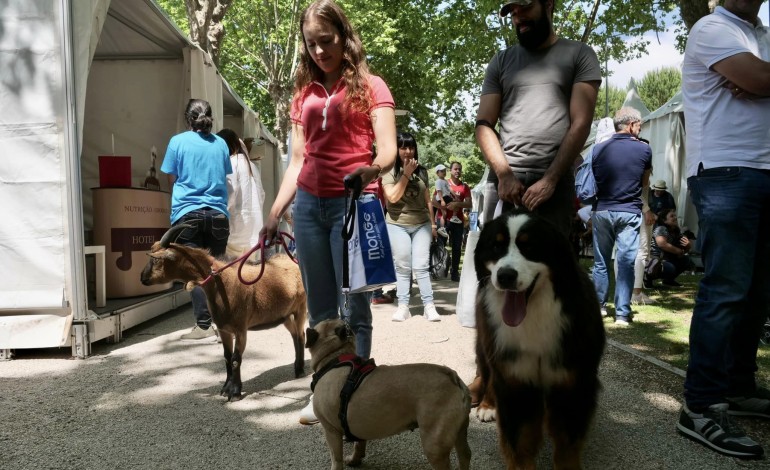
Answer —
151 401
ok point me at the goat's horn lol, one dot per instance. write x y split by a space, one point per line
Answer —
172 234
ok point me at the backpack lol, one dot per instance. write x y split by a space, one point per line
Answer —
585 183
439 260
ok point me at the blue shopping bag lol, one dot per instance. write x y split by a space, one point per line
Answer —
367 260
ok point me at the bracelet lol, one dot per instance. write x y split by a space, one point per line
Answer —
379 169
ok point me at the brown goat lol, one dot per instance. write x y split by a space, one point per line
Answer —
278 298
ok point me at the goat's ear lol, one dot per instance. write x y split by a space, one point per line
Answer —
311 336
342 331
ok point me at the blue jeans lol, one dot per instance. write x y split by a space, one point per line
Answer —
210 230
411 251
612 228
318 233
733 205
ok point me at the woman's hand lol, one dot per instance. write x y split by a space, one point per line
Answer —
684 242
367 173
269 229
435 233
410 166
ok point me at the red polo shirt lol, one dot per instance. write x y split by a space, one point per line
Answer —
334 146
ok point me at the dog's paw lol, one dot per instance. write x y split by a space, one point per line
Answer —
352 461
485 414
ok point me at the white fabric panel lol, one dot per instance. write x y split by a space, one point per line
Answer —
33 171
633 100
205 84
137 102
664 128
468 287
88 17
34 331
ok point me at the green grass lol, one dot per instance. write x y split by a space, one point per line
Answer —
662 330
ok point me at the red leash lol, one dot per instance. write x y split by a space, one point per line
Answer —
243 259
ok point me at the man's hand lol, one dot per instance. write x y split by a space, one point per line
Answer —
509 188
538 193
740 93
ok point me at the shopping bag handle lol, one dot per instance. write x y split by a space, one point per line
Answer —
353 187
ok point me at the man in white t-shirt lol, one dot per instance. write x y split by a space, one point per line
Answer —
726 82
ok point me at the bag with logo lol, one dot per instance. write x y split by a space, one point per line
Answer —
367 260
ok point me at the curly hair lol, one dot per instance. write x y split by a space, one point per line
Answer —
355 71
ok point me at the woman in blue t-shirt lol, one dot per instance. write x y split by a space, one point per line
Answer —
197 163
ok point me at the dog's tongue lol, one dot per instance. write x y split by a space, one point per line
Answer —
515 308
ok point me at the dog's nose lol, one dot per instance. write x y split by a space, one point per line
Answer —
507 277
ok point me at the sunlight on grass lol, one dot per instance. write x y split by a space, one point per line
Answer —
662 330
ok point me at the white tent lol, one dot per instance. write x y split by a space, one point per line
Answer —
74 77
664 128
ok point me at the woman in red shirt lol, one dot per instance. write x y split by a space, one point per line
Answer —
339 110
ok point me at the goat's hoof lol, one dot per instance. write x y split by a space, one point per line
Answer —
231 391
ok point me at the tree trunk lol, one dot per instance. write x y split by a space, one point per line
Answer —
205 20
693 10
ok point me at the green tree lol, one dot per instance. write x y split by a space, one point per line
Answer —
658 86
453 142
432 53
616 98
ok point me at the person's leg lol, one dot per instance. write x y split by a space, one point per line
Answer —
312 232
742 362
401 246
195 236
731 203
456 237
628 243
356 308
642 255
604 240
421 238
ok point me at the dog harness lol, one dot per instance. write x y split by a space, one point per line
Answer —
359 369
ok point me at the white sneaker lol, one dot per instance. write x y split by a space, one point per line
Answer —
402 313
455 219
604 312
307 415
641 299
430 313
442 231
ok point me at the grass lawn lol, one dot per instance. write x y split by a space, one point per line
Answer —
662 329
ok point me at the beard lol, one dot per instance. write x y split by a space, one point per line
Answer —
538 33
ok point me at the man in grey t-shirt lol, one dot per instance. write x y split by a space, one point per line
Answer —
543 92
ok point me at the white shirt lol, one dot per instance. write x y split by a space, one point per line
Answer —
442 189
722 130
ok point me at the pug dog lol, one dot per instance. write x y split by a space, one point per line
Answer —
389 400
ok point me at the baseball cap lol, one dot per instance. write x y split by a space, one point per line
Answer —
506 9
440 167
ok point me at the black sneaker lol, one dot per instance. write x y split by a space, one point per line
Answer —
713 428
754 404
